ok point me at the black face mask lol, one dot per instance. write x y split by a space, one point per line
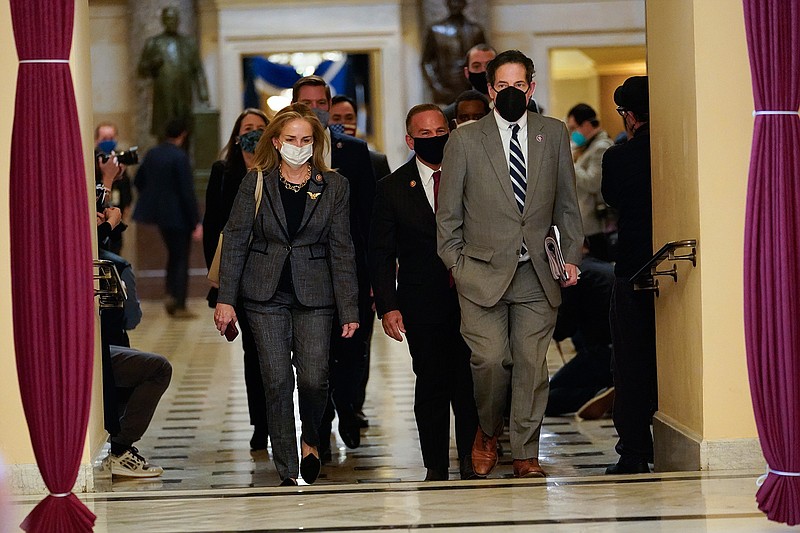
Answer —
478 81
511 103
430 149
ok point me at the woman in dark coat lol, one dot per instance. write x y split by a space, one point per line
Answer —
223 184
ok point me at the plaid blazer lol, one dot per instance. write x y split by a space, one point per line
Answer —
321 253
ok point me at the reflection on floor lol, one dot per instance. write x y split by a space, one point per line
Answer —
212 482
200 433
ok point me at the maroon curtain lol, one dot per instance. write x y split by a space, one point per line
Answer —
51 260
772 241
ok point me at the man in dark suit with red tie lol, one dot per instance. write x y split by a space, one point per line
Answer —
415 296
348 357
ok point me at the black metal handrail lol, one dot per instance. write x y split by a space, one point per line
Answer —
644 279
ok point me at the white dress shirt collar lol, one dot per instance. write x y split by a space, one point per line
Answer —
327 154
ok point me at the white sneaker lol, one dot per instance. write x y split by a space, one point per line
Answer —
131 464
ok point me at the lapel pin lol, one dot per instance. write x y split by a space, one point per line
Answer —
338 145
413 183
313 195
319 177
539 138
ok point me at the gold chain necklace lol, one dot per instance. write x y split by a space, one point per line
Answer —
294 187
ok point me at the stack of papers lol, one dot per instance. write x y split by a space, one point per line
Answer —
552 246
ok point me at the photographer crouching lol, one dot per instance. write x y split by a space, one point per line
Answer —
133 380
113 186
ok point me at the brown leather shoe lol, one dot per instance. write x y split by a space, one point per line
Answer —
484 453
528 468
597 407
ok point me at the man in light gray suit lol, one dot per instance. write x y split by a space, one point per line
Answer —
497 201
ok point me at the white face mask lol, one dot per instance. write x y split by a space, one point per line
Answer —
296 156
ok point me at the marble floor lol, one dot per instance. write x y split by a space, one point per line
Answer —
212 482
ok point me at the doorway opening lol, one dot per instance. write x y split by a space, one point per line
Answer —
589 75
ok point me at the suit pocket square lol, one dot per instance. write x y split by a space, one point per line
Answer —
552 246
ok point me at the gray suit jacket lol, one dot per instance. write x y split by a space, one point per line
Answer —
480 228
321 254
589 175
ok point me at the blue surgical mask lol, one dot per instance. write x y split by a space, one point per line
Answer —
249 140
107 146
578 139
322 115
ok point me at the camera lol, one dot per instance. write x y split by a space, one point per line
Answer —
100 197
126 157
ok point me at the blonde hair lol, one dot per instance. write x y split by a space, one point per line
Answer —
267 157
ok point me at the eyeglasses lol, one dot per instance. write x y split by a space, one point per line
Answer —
621 111
521 85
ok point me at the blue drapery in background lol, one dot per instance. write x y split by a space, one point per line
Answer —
261 74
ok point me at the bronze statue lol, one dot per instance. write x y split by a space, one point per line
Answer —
173 62
446 45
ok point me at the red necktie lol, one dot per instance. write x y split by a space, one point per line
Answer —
437 175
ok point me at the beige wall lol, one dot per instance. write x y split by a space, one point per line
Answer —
609 118
701 100
673 117
15 444
81 67
566 93
725 132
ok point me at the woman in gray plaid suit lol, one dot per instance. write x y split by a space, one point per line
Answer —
292 263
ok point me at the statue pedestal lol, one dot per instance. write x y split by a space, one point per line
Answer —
205 147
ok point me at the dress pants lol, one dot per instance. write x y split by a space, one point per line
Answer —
580 380
256 399
633 333
440 359
361 392
348 364
178 243
289 334
509 344
145 376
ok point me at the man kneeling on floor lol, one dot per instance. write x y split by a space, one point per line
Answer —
584 385
140 379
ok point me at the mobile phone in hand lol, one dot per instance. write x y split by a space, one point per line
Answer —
231 332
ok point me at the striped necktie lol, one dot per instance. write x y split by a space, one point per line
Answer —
517 168
516 165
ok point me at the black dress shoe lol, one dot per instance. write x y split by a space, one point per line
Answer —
437 474
309 468
361 420
260 438
288 482
351 435
325 455
465 468
629 465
